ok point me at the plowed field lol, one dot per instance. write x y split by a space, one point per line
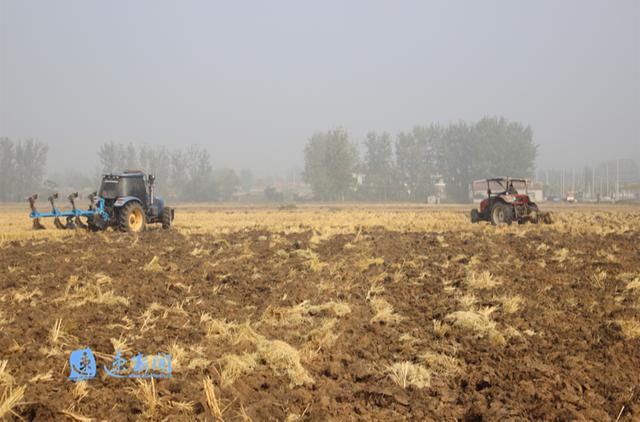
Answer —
321 314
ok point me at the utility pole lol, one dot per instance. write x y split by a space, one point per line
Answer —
563 193
618 179
593 183
608 193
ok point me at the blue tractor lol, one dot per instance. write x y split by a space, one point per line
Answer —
125 201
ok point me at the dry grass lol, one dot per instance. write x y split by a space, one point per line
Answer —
182 406
9 399
283 316
443 365
407 373
365 263
630 328
148 395
74 416
27 295
383 312
467 301
283 359
47 376
6 379
511 304
483 280
55 333
78 293
80 390
634 285
153 265
212 400
319 338
235 366
279 356
440 328
598 278
478 322
560 255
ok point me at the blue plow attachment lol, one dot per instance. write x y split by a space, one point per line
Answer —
96 211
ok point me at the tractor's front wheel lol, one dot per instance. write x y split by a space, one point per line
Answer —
534 213
132 218
475 216
501 214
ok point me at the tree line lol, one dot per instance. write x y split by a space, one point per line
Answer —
410 167
182 174
22 167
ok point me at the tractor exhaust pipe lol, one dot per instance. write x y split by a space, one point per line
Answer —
152 180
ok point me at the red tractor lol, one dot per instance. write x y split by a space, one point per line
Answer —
504 204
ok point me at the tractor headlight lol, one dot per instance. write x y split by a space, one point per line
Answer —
119 202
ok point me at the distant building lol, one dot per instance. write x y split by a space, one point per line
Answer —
439 189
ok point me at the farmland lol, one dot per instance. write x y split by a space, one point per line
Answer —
327 312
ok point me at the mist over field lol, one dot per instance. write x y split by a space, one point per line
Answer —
252 81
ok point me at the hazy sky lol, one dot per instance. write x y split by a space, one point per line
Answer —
252 81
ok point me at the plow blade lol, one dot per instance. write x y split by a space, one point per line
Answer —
37 225
545 217
81 224
59 224
72 218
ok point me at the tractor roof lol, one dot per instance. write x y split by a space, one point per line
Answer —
502 179
126 173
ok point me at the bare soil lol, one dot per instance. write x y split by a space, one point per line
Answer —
562 355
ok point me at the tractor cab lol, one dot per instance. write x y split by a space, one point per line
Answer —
126 184
507 189
507 200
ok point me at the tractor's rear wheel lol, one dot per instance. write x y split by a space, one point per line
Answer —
166 217
132 218
501 214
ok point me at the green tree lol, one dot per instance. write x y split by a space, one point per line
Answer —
227 182
179 178
378 166
155 160
246 180
490 148
504 148
458 163
110 156
330 160
7 169
417 158
200 185
30 163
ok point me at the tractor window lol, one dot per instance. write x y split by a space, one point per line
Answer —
123 186
109 188
135 186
